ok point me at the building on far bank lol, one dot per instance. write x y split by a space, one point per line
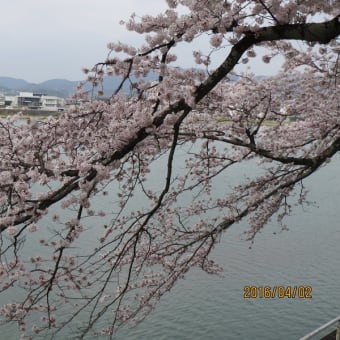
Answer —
29 100
32 101
2 100
52 103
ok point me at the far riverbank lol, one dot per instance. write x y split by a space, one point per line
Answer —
28 113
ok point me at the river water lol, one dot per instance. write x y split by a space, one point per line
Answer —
210 307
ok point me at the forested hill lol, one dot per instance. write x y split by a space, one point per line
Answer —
60 87
54 87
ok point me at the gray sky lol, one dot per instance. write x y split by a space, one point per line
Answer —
45 39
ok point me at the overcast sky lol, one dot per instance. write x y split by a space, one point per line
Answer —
46 39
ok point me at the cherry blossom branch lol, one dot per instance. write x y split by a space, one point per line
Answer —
137 254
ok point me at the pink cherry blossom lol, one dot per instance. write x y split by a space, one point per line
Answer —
115 201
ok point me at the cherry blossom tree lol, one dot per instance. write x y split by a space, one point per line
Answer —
86 233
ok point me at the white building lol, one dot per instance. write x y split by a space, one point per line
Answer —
2 100
8 101
34 101
52 103
29 100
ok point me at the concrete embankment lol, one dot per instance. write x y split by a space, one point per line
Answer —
31 113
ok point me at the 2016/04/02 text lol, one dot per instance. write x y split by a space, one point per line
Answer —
271 292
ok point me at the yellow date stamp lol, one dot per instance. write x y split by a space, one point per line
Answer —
280 292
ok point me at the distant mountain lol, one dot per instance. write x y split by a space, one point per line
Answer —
58 87
65 88
54 87
12 83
